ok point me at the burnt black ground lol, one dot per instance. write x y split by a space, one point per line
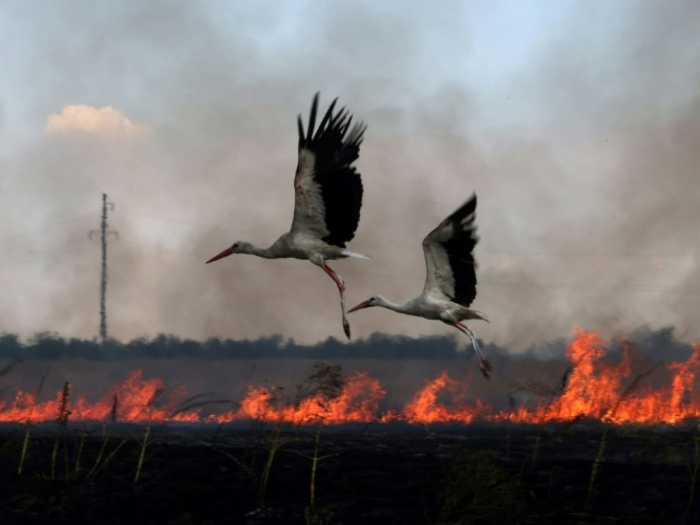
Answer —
382 474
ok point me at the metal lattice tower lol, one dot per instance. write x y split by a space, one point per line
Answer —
104 233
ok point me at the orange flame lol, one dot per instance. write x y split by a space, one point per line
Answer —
358 402
595 390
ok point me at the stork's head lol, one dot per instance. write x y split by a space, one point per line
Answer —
375 300
236 247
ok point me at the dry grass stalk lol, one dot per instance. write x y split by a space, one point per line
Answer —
103 447
314 466
79 453
7 370
25 446
597 463
694 469
314 463
113 410
529 461
144 443
62 420
105 463
65 459
105 435
325 383
25 442
13 364
536 450
475 489
233 458
187 405
276 443
194 402
554 475
568 424
142 454
324 380
543 390
629 391
54 453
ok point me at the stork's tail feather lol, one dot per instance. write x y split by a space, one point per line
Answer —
482 316
354 255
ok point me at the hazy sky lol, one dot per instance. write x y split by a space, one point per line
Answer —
576 122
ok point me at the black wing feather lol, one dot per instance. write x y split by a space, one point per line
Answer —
326 119
340 183
459 248
300 126
312 118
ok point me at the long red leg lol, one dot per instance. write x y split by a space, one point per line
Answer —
484 364
340 283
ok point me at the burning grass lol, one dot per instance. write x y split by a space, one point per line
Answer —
591 388
604 442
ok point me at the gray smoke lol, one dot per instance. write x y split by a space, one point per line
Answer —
583 151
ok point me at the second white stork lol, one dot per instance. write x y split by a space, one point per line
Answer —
450 282
328 198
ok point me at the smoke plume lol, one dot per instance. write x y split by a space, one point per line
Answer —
576 126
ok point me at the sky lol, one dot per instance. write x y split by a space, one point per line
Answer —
577 124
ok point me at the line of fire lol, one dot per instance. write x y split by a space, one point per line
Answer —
591 388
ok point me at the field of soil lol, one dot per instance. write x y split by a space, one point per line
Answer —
384 474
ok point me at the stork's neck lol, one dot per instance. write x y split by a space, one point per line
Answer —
401 308
265 253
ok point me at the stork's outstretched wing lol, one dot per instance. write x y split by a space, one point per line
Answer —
450 265
328 190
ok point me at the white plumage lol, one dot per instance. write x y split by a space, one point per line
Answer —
450 280
327 198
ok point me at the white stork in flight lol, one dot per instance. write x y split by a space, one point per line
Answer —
450 281
327 201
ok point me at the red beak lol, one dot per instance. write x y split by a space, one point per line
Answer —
360 307
223 254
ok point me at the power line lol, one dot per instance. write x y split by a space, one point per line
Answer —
38 256
175 221
51 226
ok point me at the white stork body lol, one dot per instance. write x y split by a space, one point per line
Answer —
327 198
450 281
